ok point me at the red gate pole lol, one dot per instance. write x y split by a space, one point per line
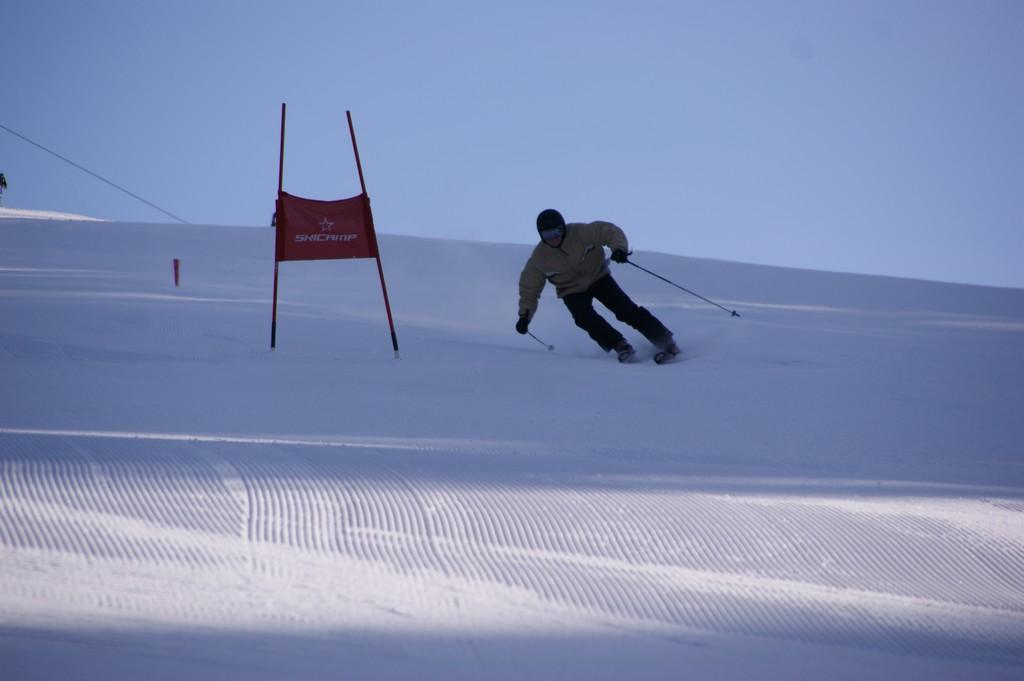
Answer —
277 232
373 231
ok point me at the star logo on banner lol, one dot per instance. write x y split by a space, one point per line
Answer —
326 225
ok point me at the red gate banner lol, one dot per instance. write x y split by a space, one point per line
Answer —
308 229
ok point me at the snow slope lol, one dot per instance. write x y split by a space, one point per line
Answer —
829 487
26 214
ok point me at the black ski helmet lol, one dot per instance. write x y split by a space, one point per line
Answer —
550 219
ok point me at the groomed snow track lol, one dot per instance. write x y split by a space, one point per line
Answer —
774 560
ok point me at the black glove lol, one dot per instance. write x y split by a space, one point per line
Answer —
523 325
619 256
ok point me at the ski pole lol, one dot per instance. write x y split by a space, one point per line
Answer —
734 313
549 347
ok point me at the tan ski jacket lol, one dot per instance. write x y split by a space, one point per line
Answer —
573 267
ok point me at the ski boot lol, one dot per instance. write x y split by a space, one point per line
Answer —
624 350
667 352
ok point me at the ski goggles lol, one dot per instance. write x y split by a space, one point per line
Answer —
552 234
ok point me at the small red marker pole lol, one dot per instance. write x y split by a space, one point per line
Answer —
177 271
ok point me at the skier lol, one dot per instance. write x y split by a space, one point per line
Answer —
3 188
571 256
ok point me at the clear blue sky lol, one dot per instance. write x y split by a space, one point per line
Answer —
876 136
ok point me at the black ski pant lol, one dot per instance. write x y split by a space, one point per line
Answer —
606 291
